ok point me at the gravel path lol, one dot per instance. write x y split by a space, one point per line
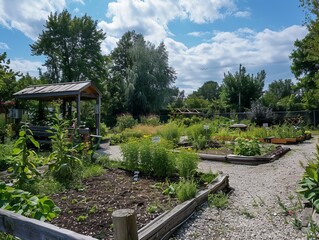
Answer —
253 211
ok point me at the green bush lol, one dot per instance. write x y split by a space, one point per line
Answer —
125 121
185 190
146 156
5 153
130 153
152 120
171 132
187 164
199 135
247 147
150 158
162 161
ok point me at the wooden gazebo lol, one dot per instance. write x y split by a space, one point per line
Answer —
69 91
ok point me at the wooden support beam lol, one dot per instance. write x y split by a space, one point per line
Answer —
124 222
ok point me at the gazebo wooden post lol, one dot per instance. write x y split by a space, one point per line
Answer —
78 109
98 115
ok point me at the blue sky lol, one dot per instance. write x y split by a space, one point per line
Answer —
204 38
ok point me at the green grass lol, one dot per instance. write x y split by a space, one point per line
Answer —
92 171
218 200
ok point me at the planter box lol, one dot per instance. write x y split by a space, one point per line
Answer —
291 140
279 140
164 225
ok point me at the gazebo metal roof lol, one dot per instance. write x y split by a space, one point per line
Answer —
68 90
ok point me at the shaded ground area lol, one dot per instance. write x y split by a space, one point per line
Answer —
88 211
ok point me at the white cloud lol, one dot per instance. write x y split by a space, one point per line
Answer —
268 50
79 1
202 11
198 34
4 46
242 14
28 16
25 66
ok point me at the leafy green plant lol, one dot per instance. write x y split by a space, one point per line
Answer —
171 132
163 162
218 200
152 208
309 184
5 153
65 164
199 135
130 153
187 164
145 152
208 177
22 202
247 147
185 190
24 169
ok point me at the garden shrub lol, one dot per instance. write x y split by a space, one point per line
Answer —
247 147
187 164
125 121
171 132
5 153
150 158
152 120
185 190
199 135
130 153
146 156
162 161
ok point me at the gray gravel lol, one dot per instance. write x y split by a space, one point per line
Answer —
253 211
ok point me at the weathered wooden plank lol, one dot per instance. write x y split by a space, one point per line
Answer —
164 225
30 229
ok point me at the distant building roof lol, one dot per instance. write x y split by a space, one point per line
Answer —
68 90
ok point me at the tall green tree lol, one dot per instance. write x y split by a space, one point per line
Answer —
72 47
277 90
305 56
141 76
240 89
209 91
7 78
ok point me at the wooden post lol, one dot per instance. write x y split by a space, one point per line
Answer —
124 223
78 110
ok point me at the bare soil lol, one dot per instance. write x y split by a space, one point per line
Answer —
89 210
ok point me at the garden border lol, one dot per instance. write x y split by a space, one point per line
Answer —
164 225
247 160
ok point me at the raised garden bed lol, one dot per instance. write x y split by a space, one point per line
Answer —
247 160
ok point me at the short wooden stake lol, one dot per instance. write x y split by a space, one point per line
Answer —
124 223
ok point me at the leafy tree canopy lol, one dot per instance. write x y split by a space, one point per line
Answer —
209 91
141 77
72 48
240 89
7 78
